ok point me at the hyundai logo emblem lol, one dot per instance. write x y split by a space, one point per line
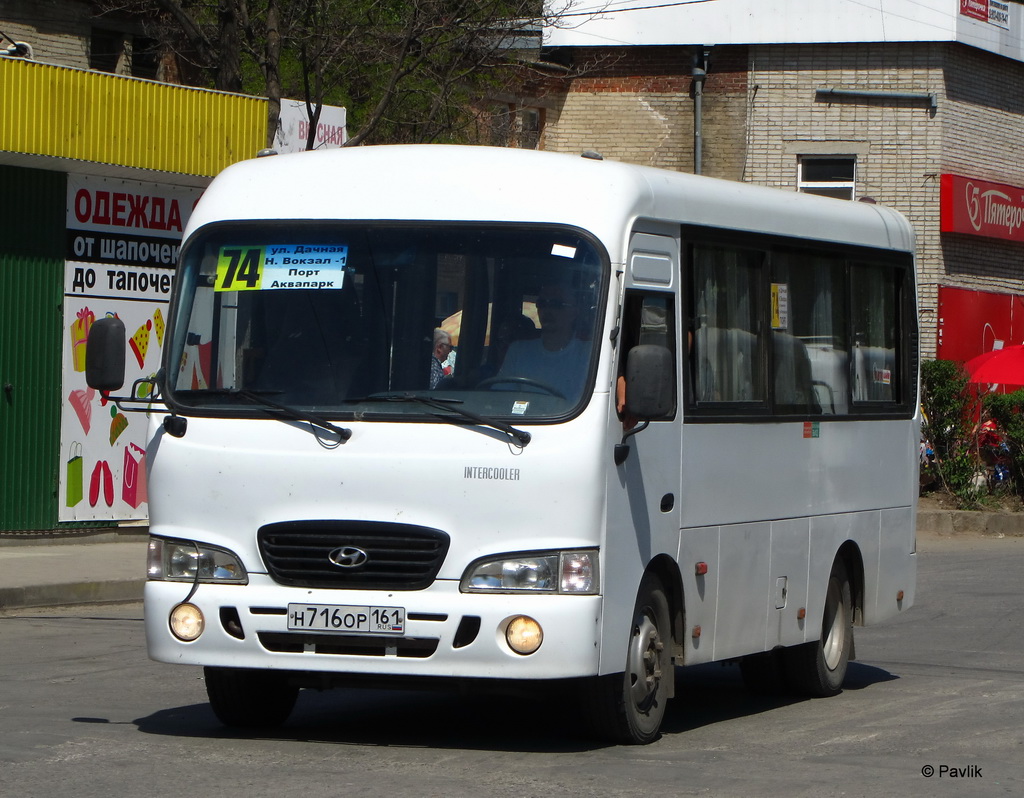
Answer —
348 557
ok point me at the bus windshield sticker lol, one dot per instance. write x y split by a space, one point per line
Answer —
519 408
278 267
562 251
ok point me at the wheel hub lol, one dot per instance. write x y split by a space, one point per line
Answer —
835 628
645 662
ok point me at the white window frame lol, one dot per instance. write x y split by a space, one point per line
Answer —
826 188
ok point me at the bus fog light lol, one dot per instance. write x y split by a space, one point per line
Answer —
523 635
187 622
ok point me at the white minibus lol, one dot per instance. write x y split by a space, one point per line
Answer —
438 414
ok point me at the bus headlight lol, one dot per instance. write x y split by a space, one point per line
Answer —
186 561
572 572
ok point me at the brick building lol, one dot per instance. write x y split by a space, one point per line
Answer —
917 104
75 33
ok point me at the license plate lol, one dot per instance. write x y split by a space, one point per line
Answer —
346 619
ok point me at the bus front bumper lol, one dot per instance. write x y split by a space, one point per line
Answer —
446 633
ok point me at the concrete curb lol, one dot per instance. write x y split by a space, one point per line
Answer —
970 522
107 592
92 570
66 538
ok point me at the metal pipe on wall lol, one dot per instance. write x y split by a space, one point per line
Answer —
699 75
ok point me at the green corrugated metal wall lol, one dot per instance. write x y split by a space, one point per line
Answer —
31 315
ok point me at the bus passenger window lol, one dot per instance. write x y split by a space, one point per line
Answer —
876 316
727 356
808 321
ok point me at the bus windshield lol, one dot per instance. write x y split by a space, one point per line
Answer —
359 320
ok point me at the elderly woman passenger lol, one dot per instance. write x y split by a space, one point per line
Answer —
442 348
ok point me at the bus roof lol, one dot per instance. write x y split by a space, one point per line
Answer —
432 182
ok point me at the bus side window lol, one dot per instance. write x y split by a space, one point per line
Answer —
648 318
809 326
727 356
794 388
876 313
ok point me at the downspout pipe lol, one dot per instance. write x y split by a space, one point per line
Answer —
699 74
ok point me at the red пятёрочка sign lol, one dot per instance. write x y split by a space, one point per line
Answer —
981 208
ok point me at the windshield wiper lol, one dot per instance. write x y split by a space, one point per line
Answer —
294 413
520 436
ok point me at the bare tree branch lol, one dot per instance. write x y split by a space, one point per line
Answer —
406 70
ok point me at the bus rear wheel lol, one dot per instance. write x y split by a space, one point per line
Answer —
818 669
249 699
629 707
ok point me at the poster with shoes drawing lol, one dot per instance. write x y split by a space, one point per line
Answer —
122 247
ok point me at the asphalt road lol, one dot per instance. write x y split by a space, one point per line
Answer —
935 706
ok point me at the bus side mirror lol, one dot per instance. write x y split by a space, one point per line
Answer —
104 355
650 382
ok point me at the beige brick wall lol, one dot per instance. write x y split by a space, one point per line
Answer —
638 127
635 105
58 30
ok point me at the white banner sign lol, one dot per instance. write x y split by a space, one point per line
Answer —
293 128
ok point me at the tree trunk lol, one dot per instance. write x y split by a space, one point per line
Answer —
229 63
272 70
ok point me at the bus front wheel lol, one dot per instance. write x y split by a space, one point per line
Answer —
629 707
249 699
819 668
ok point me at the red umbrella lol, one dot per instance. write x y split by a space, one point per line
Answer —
999 367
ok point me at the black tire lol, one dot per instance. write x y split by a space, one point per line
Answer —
629 707
249 699
818 669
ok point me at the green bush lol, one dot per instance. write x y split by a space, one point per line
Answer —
950 411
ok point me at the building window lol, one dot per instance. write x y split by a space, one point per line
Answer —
528 123
511 126
827 176
107 51
145 58
123 54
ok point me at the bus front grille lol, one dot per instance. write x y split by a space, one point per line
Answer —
357 555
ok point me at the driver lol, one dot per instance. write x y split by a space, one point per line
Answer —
558 359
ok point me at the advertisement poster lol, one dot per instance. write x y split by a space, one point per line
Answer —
974 322
122 247
994 12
